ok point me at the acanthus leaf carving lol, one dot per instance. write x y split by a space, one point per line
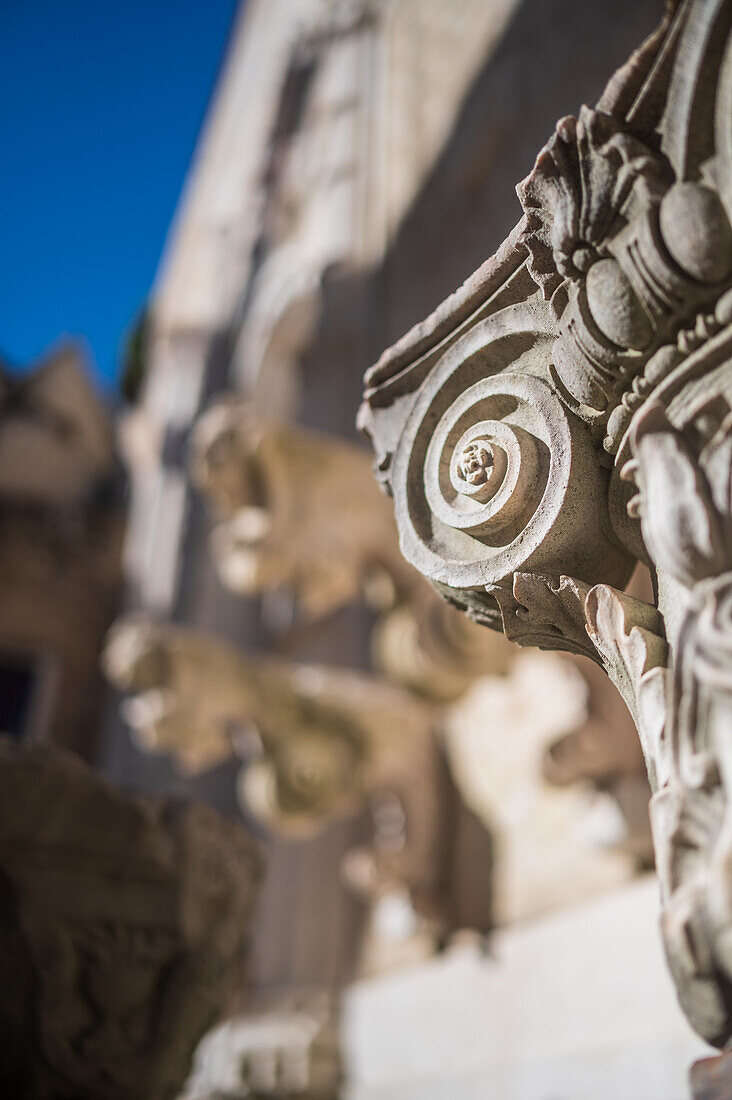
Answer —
547 612
628 637
688 539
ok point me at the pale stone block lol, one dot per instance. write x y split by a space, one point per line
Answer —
574 1006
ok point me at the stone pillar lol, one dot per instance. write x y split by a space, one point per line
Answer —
567 413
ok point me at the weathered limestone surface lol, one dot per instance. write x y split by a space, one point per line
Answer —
566 414
124 924
330 124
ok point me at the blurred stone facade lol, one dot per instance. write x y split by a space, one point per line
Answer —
358 161
60 558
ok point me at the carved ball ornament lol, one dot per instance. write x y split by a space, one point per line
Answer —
476 464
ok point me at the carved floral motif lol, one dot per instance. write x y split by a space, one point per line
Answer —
590 175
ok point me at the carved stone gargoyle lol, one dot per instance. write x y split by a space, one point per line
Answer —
568 413
123 931
300 510
318 744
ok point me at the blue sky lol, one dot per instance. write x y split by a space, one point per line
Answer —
102 101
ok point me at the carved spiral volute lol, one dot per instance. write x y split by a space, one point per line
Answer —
484 479
493 474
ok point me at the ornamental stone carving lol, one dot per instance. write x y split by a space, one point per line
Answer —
567 414
290 495
300 510
123 922
317 744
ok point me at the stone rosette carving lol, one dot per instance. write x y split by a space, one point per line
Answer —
590 359
124 926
